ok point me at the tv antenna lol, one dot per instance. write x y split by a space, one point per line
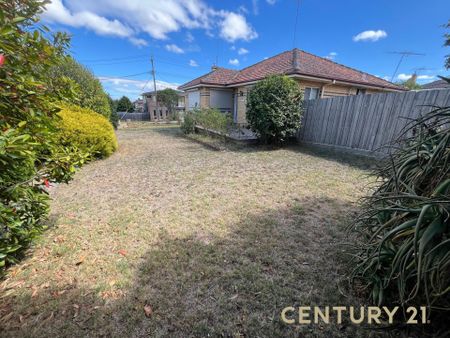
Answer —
403 55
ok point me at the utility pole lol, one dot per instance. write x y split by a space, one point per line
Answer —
154 87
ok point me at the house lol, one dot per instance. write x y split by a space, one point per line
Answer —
439 84
139 106
318 77
158 112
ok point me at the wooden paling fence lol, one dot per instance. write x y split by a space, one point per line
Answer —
365 123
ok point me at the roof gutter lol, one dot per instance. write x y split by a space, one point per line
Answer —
322 80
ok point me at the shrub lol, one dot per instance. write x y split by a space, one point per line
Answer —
89 92
208 118
90 132
404 257
274 109
188 124
30 157
213 119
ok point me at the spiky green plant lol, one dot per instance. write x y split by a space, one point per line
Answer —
404 257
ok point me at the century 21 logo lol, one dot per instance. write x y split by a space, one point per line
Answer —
369 315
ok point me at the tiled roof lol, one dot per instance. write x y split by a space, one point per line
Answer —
219 76
436 85
292 62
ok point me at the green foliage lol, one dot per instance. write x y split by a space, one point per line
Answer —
274 109
405 225
213 119
168 98
208 118
89 91
87 130
188 124
114 118
30 156
124 104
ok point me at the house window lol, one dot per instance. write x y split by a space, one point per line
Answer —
360 91
311 93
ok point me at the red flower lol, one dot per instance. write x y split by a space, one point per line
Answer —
2 60
46 182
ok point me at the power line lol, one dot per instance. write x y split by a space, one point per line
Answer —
115 59
124 76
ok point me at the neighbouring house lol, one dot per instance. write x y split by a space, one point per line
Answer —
139 105
318 77
158 112
439 84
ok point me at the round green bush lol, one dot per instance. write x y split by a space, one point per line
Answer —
87 130
274 109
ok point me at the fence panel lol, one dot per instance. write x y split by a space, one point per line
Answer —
365 122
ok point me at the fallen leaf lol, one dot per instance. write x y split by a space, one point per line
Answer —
148 311
122 252
80 261
35 291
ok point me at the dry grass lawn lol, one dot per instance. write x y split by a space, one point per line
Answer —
210 243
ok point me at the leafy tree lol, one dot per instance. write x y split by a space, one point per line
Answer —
124 104
274 108
114 118
30 156
89 91
168 98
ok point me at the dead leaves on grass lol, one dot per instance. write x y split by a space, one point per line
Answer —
148 310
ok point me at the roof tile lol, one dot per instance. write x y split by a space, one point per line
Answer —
291 62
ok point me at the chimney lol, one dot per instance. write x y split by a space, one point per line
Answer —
214 67
296 59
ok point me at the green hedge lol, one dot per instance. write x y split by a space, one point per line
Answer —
90 132
207 118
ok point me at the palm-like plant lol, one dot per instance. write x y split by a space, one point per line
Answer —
405 224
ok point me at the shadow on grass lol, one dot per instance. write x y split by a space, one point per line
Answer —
208 285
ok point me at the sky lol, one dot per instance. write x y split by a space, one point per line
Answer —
116 39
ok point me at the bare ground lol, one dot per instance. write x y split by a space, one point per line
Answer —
208 242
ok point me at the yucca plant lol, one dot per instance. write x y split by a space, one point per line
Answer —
404 256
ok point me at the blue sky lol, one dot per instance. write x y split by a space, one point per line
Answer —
116 38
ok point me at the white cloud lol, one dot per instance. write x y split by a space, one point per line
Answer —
174 49
271 2
242 51
193 63
370 35
234 62
405 77
138 42
331 56
56 12
189 37
235 27
233 47
159 18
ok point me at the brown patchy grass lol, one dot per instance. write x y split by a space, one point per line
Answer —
212 242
